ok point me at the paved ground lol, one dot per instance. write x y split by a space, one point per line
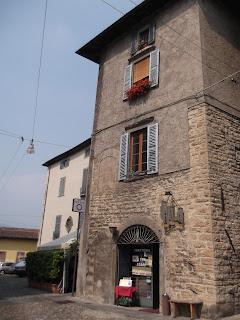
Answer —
19 302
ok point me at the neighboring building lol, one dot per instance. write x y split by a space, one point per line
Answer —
177 147
66 180
15 243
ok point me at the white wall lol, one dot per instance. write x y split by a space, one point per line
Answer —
56 205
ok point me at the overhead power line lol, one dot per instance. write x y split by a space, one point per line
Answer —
13 135
195 44
11 160
176 45
39 70
112 6
3 187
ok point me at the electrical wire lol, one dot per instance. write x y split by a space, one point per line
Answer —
112 7
3 187
11 160
21 137
172 43
231 75
180 34
39 70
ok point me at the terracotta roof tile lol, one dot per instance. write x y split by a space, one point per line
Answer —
18 233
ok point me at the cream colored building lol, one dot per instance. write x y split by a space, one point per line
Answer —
66 180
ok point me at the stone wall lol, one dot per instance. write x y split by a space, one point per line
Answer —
224 142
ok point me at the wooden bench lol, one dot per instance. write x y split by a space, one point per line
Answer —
193 307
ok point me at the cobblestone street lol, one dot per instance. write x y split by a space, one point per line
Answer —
19 302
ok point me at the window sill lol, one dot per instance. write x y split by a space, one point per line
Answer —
139 176
141 53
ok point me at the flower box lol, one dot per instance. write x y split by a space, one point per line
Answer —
141 44
138 89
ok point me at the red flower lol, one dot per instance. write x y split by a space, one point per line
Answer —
139 88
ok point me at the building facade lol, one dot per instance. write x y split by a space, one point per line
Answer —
163 193
15 243
66 180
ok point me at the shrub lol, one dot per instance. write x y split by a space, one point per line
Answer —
45 266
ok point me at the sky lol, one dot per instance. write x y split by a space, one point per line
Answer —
66 93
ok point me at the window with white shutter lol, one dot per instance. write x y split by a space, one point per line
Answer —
144 36
146 68
142 154
62 187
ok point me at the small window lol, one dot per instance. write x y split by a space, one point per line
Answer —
2 255
69 224
87 152
64 163
62 187
145 36
20 256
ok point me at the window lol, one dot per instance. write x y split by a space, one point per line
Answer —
56 232
87 152
139 152
2 255
64 163
20 256
69 224
84 182
62 187
141 70
147 35
147 67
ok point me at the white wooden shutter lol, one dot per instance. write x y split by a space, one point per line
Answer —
123 157
154 67
151 35
152 149
134 43
127 80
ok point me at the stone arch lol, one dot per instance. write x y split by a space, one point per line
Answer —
145 221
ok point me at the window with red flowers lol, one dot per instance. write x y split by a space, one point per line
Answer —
141 75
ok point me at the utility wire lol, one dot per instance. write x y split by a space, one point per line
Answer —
21 137
11 133
231 75
180 34
39 70
11 160
13 171
112 7
174 44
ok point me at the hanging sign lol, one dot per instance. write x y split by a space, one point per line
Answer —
78 205
170 216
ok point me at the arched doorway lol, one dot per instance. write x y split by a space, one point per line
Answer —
138 258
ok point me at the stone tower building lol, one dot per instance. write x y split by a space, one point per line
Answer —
163 195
